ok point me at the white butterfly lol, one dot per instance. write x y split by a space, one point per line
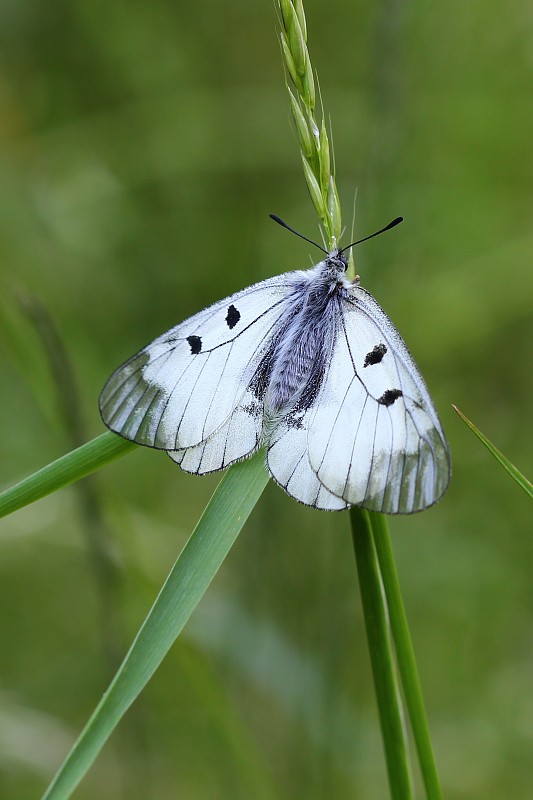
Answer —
306 365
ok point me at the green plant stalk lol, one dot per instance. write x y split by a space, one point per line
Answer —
405 657
379 645
317 164
197 564
510 468
65 470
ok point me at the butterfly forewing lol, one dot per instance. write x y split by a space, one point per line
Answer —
374 437
179 390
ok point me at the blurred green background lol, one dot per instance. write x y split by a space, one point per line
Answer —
143 145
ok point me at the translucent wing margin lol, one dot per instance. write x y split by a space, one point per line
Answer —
184 386
373 437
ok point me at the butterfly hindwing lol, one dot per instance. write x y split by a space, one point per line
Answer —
237 438
288 463
374 438
180 389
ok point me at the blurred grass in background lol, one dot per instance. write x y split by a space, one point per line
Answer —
142 148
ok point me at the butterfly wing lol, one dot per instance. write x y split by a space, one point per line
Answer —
374 438
238 437
288 463
184 386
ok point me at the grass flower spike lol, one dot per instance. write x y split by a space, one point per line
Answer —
312 134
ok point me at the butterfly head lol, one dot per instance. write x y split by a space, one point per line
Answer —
336 263
331 272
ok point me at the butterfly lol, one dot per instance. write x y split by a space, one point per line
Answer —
305 365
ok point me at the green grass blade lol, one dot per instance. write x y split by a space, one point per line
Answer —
67 469
517 476
379 645
189 578
405 657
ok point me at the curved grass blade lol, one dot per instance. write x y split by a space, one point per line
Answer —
197 564
515 474
67 469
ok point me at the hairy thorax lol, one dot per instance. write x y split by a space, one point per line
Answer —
301 354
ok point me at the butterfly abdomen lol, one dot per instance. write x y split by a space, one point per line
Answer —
299 359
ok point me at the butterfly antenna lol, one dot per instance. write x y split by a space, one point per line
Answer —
382 230
284 225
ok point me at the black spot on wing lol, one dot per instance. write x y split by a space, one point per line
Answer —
389 397
232 317
195 344
375 355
